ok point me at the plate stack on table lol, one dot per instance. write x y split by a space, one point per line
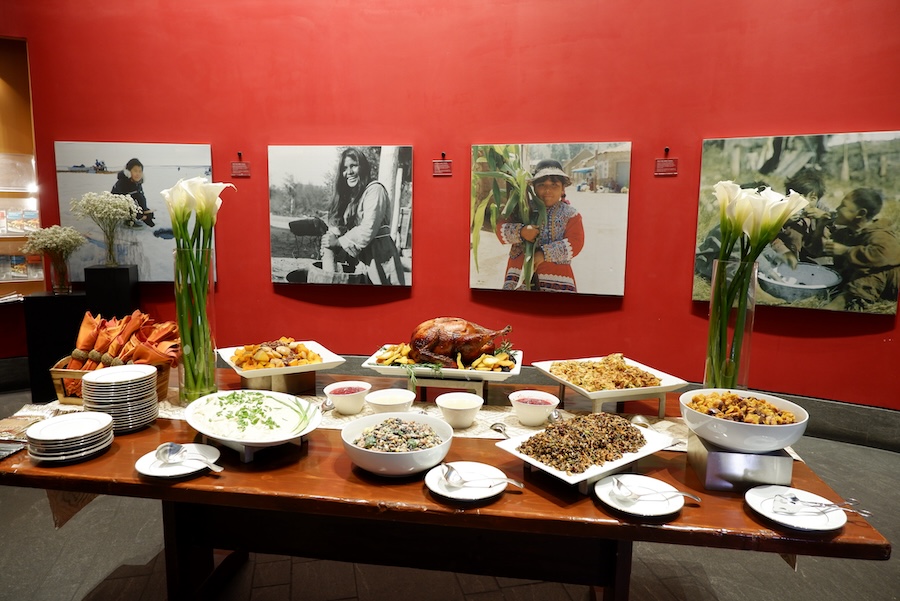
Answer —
126 392
69 437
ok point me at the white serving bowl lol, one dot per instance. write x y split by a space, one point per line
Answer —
348 404
391 400
459 408
532 414
740 436
396 464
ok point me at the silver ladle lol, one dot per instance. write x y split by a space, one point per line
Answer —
626 495
172 452
455 480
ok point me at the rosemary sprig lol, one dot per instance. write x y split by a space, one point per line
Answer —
410 369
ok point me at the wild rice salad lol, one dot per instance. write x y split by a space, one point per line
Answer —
574 445
395 435
609 373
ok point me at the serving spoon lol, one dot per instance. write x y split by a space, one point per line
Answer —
626 495
172 452
501 428
455 480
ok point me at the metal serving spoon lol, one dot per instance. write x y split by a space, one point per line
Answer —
172 452
789 503
501 428
327 405
455 480
626 495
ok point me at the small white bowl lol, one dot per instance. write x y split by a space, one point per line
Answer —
348 403
532 413
396 464
740 436
459 408
391 399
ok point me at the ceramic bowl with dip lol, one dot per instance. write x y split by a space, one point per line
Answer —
348 396
367 431
459 408
390 400
533 407
738 435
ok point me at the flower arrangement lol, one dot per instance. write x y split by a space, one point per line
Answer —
749 219
57 243
193 205
108 211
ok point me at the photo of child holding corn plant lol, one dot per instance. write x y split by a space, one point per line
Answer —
550 217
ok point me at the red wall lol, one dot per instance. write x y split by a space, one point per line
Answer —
441 76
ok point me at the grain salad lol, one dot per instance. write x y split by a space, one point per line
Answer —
609 373
574 445
395 435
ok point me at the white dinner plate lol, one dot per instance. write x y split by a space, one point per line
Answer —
119 374
329 360
149 465
762 499
653 505
655 441
70 425
446 373
469 470
78 454
667 382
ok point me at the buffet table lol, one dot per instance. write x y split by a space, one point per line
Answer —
309 500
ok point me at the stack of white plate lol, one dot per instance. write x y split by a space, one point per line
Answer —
126 392
70 436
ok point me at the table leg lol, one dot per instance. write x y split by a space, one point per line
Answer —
619 589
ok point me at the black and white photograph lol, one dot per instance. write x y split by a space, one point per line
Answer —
841 252
550 217
138 170
341 214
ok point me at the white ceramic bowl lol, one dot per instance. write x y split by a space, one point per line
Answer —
739 436
459 408
391 400
396 464
348 404
532 413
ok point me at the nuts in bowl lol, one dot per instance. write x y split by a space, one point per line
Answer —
741 420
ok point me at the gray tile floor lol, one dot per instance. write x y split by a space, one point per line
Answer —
112 550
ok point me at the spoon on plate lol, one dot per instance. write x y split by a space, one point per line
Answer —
327 405
172 452
501 428
626 495
455 480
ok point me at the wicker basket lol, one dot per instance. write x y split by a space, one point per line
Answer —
59 373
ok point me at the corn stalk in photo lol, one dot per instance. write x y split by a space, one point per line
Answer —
514 199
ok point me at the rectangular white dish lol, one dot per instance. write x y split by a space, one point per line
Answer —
446 373
667 382
329 360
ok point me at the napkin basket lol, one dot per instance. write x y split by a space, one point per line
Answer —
59 373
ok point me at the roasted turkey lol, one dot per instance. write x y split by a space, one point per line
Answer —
441 339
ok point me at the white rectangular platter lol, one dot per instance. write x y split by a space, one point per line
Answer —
655 442
446 373
667 382
329 360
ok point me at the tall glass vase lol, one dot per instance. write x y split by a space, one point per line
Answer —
194 310
732 304
59 274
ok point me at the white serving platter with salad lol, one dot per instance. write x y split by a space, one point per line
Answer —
329 360
446 373
249 420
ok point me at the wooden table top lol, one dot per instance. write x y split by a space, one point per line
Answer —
319 478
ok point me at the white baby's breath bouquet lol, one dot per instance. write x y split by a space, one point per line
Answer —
57 243
108 211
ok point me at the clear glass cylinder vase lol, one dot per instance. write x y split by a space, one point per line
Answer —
195 313
732 306
60 283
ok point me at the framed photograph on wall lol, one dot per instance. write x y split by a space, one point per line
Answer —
341 214
140 170
842 252
550 217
